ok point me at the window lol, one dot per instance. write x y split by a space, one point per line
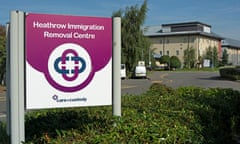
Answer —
160 53
160 41
177 52
184 40
168 53
168 41
192 39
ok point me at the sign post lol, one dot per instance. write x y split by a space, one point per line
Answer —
8 77
116 66
16 79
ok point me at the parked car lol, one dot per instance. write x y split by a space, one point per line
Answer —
140 71
123 71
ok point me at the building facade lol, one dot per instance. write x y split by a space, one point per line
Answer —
233 50
174 39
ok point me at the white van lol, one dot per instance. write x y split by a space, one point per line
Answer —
140 71
123 71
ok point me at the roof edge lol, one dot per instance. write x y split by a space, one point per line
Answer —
186 23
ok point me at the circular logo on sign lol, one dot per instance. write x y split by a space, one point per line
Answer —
69 68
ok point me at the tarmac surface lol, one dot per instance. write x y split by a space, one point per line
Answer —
177 79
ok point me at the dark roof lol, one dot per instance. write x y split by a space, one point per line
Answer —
228 42
186 23
155 31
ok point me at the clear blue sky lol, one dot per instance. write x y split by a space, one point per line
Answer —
222 15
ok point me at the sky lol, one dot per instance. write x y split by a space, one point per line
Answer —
222 15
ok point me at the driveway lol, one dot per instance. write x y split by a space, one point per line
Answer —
178 79
198 79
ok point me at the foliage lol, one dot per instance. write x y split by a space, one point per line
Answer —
157 89
67 125
212 55
4 139
163 115
225 57
2 54
135 46
175 62
189 57
217 110
165 59
215 57
202 69
172 62
230 72
2 30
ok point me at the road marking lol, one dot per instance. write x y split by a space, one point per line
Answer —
163 75
127 87
157 81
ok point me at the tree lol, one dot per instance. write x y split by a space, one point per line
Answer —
2 54
212 55
215 57
2 30
189 57
165 59
225 57
175 62
135 46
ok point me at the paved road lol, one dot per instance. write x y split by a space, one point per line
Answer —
178 79
135 86
199 79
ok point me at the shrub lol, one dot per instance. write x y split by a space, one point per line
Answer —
230 72
175 62
217 110
160 90
165 59
4 139
162 115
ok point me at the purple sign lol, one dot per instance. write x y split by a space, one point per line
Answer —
66 52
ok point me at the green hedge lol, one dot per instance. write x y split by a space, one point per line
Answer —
230 72
163 115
